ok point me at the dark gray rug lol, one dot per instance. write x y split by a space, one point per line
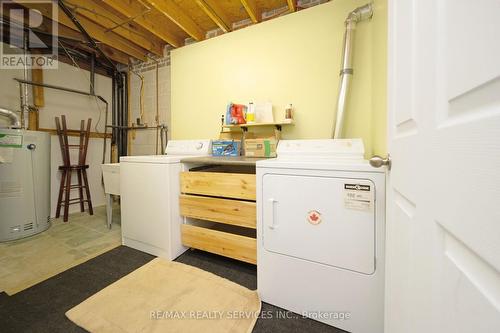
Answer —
41 308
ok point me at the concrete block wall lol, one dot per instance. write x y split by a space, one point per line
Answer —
143 142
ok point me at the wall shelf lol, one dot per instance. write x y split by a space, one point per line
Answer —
245 127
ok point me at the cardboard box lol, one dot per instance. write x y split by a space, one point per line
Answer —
226 148
265 147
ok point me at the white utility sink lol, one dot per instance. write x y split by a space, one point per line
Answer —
111 175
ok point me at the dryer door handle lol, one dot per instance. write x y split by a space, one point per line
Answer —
270 217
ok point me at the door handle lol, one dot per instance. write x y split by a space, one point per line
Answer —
377 161
270 217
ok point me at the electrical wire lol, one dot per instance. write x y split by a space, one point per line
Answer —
141 95
91 84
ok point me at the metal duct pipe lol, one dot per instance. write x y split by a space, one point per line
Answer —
114 118
119 114
359 14
24 87
92 74
125 114
15 122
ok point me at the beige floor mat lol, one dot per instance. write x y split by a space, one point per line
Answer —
164 296
28 261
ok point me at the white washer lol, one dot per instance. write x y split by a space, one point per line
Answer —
149 189
320 233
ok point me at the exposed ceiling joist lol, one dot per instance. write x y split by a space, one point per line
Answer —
178 16
252 10
92 11
112 53
132 10
78 40
127 29
216 14
71 40
110 39
91 41
95 31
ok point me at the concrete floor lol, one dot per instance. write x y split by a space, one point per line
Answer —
30 260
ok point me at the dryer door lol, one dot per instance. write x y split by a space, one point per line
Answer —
326 220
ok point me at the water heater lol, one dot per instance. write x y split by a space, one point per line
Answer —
24 183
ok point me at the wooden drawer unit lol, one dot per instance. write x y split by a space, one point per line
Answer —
223 243
220 203
219 184
234 212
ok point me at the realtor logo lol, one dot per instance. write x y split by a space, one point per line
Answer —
25 22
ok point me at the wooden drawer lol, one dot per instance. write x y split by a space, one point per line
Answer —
234 212
223 243
218 184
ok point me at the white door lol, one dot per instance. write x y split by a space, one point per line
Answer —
443 227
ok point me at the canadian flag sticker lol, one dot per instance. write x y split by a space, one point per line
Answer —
314 217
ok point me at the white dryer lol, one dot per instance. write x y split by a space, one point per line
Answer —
149 194
320 233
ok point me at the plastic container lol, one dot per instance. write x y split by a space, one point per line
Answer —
288 114
250 116
228 113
